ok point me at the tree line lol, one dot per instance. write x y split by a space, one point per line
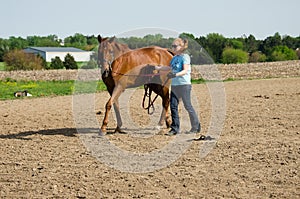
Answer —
212 48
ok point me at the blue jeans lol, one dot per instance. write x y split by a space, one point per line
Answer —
182 92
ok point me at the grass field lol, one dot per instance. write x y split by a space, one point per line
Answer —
48 88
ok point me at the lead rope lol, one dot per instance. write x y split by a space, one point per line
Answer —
148 94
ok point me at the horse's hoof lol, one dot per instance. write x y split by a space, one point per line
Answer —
119 130
168 122
100 133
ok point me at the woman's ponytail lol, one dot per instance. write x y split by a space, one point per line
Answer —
185 44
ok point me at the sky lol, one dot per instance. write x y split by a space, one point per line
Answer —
230 18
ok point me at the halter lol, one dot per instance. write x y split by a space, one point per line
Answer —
109 62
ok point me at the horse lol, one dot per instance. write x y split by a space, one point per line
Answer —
122 68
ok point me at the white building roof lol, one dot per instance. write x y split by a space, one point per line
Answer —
51 52
56 49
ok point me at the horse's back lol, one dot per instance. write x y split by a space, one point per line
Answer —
142 56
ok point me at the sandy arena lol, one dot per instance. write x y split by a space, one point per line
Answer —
256 156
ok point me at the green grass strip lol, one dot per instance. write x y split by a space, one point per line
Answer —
2 66
48 88
58 88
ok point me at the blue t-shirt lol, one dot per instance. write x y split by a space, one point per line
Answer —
177 66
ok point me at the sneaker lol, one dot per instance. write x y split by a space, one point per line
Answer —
172 132
193 130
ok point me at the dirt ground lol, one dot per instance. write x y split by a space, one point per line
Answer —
256 156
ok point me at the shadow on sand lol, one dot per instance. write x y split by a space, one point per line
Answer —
69 132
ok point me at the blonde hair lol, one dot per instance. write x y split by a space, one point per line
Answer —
182 42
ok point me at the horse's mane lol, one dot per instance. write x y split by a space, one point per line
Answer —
121 46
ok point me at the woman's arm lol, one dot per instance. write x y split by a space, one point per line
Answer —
186 67
163 68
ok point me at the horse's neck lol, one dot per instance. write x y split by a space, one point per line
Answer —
121 49
125 50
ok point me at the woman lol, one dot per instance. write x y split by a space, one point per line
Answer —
180 72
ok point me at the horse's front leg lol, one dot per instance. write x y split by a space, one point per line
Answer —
105 119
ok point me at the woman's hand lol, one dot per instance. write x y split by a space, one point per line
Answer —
171 75
162 68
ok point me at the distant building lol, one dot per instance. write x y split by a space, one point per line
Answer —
51 52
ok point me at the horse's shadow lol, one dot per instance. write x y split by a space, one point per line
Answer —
69 132
72 132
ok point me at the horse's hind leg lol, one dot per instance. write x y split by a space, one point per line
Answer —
166 104
112 90
118 116
163 92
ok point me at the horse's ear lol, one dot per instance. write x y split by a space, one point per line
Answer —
99 38
112 39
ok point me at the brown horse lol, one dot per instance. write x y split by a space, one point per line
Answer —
122 68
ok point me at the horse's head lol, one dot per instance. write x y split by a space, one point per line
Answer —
109 49
106 53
